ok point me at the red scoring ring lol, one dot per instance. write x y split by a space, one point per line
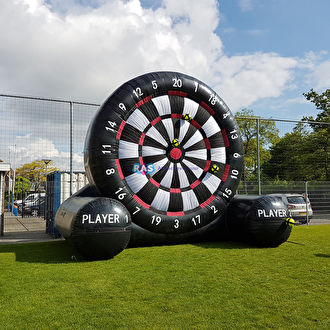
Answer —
176 153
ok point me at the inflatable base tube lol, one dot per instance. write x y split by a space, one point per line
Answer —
98 227
143 237
258 220
101 227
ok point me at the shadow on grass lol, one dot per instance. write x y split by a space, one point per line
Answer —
232 245
63 252
322 255
45 252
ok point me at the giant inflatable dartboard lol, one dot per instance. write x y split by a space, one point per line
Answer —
166 146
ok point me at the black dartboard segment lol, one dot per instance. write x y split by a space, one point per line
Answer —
168 147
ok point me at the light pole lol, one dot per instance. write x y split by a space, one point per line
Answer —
46 161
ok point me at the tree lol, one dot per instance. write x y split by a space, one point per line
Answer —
321 135
22 185
322 103
268 135
301 155
304 154
35 172
285 161
296 158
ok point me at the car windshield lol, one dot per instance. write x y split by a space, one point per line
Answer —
296 200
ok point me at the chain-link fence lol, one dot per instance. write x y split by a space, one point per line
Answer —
38 128
318 193
280 155
288 157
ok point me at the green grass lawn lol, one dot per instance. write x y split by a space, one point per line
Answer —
209 285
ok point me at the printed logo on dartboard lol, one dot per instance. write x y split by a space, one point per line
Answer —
143 168
151 168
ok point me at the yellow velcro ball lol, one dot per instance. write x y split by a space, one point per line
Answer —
175 143
215 168
187 117
290 222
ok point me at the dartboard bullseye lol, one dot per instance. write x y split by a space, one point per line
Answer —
168 147
175 154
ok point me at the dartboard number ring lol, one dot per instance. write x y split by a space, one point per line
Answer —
168 147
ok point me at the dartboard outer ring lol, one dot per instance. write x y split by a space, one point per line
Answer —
117 139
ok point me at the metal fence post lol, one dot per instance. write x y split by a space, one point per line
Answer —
306 200
23 206
13 190
258 155
1 206
71 145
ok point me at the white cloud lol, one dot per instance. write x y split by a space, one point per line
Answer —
229 30
36 148
315 68
245 5
90 53
295 100
86 52
256 32
248 78
321 75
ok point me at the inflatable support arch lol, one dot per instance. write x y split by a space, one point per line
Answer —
164 157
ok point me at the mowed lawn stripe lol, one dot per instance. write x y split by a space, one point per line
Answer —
206 285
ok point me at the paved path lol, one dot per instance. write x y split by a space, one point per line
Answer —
24 230
19 224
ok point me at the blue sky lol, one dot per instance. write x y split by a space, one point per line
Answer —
287 27
291 28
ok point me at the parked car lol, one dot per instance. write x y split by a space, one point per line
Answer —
36 208
29 199
296 204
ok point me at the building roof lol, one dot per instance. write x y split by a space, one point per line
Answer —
4 167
